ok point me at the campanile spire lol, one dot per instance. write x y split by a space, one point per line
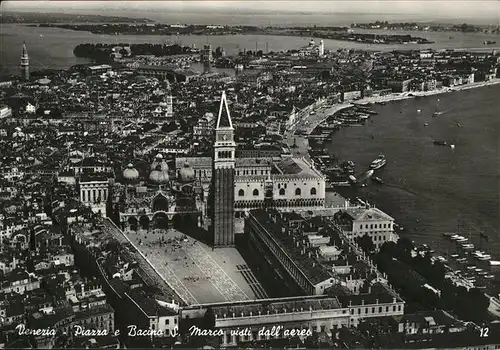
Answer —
223 178
25 64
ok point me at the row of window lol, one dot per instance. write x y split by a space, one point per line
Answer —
372 226
252 172
298 192
225 154
379 309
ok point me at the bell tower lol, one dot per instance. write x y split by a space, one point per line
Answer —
25 64
223 178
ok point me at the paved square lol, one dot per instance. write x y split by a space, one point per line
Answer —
198 273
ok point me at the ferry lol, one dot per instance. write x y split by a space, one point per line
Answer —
379 162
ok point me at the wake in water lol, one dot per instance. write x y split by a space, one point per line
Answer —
404 189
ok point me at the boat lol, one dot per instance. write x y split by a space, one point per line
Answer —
467 246
440 143
494 263
454 256
454 237
379 162
441 259
352 178
484 257
377 180
490 277
483 234
489 42
426 124
449 234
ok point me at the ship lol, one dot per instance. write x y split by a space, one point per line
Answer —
378 163
440 143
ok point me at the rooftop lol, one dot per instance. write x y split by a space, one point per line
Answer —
314 271
367 214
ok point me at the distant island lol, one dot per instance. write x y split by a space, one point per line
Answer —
104 52
34 17
429 27
333 33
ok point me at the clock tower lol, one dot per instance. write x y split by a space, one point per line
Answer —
223 178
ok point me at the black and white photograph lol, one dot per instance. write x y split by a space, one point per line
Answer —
250 174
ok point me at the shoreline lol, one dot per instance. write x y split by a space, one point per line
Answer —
302 141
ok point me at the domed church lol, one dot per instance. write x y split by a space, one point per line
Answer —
157 197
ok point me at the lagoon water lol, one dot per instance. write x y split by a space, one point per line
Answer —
433 189
53 47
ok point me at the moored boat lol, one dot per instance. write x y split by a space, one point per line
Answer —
484 257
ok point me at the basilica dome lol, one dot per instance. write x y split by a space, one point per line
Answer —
186 174
159 176
130 173
159 161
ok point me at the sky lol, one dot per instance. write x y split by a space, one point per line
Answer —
419 8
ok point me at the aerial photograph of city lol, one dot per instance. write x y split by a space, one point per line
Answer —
250 174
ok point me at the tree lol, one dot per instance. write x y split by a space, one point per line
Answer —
366 243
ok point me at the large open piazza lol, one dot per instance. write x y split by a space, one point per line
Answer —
194 270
